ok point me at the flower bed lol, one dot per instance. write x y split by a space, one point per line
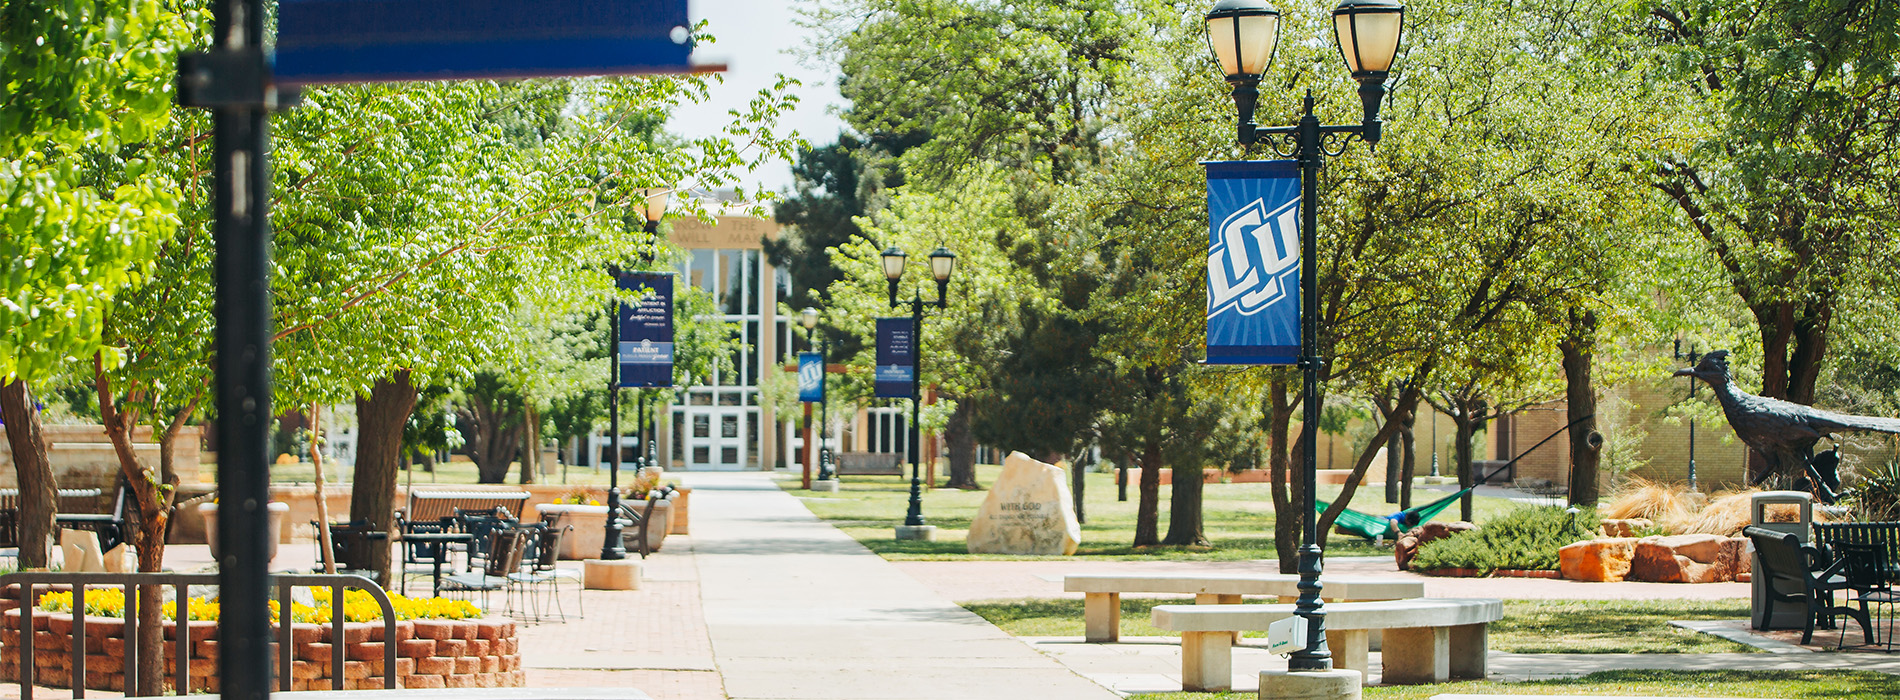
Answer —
435 649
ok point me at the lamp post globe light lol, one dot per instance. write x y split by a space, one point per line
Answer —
809 319
943 263
652 208
1242 35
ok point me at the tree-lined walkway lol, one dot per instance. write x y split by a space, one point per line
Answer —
797 609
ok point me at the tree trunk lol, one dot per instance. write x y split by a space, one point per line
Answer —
1406 403
380 418
1463 419
1148 502
1077 472
326 546
148 516
1579 349
1392 462
1409 450
1184 508
1286 522
531 444
39 492
490 445
961 444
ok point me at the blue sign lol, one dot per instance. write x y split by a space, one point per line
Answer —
896 358
1253 262
646 331
811 377
350 41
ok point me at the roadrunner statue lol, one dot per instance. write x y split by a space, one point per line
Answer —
1784 432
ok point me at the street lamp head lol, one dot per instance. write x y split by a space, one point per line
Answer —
942 263
652 206
808 318
893 269
1242 34
1368 35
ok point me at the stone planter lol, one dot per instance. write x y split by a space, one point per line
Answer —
278 510
590 526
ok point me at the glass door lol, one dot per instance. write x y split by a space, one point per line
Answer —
716 438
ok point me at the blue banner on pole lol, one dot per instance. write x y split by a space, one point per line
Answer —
646 331
1253 262
811 377
342 41
896 357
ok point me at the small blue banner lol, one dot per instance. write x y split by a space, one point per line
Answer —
1253 262
811 377
347 41
896 358
646 331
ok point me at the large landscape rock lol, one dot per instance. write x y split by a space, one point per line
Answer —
1408 543
1627 527
1028 511
1689 559
1605 560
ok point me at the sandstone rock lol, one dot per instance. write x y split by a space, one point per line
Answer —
1408 543
1627 527
1687 559
1605 560
1028 511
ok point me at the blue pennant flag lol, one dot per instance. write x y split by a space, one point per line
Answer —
646 331
811 377
1253 262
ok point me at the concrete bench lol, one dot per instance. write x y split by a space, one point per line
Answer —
1427 640
1102 603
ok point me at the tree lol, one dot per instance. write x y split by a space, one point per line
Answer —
1788 176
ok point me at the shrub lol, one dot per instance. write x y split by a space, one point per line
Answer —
1878 498
1524 539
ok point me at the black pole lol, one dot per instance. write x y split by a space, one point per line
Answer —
1314 656
915 516
824 409
232 78
612 549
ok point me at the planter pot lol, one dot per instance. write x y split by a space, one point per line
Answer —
590 526
276 509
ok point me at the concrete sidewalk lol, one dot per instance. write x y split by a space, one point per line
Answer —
797 609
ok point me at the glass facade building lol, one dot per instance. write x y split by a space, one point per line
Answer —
720 425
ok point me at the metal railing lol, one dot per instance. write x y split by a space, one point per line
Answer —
182 645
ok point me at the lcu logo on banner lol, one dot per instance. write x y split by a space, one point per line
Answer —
1253 262
646 331
811 377
896 358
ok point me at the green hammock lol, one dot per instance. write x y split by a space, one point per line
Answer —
1373 527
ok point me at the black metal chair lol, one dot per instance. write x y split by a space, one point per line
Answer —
506 546
351 547
419 558
1866 576
1796 573
479 522
543 570
633 526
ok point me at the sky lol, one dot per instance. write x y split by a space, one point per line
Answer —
755 41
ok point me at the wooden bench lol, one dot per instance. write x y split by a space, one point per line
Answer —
427 506
1102 605
1427 640
870 464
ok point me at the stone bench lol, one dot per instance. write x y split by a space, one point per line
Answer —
1102 604
1427 640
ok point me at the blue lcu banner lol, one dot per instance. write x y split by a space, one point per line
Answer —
1253 262
811 377
646 331
896 357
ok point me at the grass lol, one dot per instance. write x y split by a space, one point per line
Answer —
1528 627
1237 519
1793 685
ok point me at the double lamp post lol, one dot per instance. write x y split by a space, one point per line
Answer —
652 208
942 263
1242 34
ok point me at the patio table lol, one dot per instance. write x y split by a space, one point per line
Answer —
441 553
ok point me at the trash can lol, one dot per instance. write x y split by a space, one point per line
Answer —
1786 616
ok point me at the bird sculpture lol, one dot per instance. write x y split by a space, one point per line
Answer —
1784 432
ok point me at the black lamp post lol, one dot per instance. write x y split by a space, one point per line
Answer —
809 319
1242 34
1693 357
652 207
942 263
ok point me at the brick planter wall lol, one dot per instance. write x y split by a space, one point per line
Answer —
482 653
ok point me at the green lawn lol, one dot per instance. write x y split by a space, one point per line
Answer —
1237 518
1794 685
1529 626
